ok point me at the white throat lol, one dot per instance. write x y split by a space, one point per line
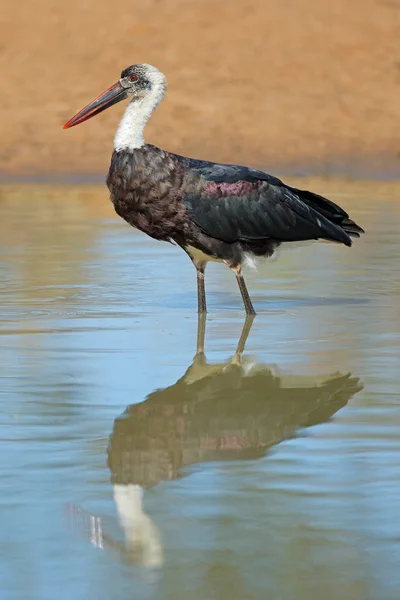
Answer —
130 130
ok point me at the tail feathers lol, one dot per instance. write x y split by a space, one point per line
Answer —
334 214
341 231
351 228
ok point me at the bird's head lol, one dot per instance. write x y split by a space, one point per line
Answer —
136 82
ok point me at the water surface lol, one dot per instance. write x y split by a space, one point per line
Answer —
133 468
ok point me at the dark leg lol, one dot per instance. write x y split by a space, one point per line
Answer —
201 292
245 294
201 332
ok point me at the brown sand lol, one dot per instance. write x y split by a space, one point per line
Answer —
271 83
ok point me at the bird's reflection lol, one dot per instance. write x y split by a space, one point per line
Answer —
215 412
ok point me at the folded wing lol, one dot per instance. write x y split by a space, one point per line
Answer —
234 203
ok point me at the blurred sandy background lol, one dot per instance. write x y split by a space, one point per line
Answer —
290 85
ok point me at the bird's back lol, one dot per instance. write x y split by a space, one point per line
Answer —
169 196
237 203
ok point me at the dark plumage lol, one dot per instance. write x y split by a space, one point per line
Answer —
213 211
209 205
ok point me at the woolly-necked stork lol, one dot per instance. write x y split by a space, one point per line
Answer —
213 211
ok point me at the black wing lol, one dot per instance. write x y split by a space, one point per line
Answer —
235 203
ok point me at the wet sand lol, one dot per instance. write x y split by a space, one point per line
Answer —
287 86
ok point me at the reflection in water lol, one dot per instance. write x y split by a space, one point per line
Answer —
215 412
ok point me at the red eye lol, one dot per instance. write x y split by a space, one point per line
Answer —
133 77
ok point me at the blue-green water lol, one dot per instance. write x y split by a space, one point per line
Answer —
129 469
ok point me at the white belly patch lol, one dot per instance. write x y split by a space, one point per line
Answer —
199 256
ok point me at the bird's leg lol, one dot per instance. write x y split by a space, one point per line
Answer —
201 332
243 290
248 322
201 292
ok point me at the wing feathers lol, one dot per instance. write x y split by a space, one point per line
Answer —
234 203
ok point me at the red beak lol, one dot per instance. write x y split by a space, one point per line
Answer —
114 94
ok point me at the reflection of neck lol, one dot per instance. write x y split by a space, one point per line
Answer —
130 130
140 532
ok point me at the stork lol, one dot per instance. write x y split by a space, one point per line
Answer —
214 212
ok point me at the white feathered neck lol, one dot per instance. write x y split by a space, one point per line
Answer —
129 134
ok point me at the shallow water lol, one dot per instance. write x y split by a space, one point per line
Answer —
129 469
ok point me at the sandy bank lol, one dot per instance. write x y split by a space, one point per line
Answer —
272 83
